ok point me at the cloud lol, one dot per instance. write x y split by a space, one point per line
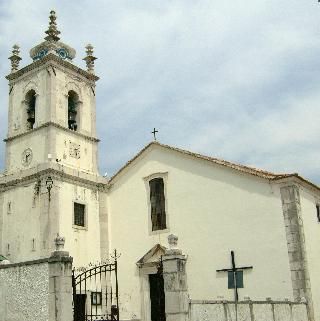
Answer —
222 78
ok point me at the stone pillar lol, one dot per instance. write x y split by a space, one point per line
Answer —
291 207
175 282
60 283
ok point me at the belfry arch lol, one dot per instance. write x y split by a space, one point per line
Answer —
73 110
30 100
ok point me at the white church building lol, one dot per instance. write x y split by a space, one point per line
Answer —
241 231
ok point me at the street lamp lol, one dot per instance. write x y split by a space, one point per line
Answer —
49 184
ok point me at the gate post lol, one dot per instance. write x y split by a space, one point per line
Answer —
60 283
175 282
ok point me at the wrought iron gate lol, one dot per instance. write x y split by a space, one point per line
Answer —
95 292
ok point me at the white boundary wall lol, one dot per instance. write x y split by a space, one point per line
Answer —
39 290
248 311
24 292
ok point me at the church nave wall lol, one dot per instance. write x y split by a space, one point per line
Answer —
213 210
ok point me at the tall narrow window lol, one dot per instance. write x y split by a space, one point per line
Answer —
31 108
318 212
157 202
72 110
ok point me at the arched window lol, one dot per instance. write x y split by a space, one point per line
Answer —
73 116
157 202
31 108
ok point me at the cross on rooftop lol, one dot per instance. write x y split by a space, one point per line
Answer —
154 133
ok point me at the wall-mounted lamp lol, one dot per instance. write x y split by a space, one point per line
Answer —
49 184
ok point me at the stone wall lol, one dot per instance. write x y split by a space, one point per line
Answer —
248 311
24 292
38 290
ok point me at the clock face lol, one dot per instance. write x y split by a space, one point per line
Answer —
26 157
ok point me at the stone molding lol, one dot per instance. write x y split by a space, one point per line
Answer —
52 58
59 172
51 259
56 125
246 302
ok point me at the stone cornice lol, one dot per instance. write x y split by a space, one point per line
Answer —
51 259
58 60
56 171
50 123
298 180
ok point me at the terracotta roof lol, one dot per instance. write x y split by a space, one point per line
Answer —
242 168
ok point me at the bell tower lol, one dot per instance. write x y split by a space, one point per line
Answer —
51 183
52 107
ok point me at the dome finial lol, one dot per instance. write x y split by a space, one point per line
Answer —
15 58
89 59
52 32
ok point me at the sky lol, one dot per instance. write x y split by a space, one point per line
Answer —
237 80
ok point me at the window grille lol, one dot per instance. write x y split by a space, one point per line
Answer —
79 214
157 202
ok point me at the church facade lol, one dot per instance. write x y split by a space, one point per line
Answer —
239 228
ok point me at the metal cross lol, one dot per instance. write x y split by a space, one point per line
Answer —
154 133
234 269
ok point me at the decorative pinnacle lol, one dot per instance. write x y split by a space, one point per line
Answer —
15 58
59 242
52 32
89 59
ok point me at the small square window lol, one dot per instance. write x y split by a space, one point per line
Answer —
96 298
239 278
79 214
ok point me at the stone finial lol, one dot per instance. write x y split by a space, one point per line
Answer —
59 242
89 58
173 245
5 262
15 58
173 241
52 32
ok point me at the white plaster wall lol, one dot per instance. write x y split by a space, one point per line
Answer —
245 311
213 210
37 142
24 293
312 243
82 243
87 160
21 225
